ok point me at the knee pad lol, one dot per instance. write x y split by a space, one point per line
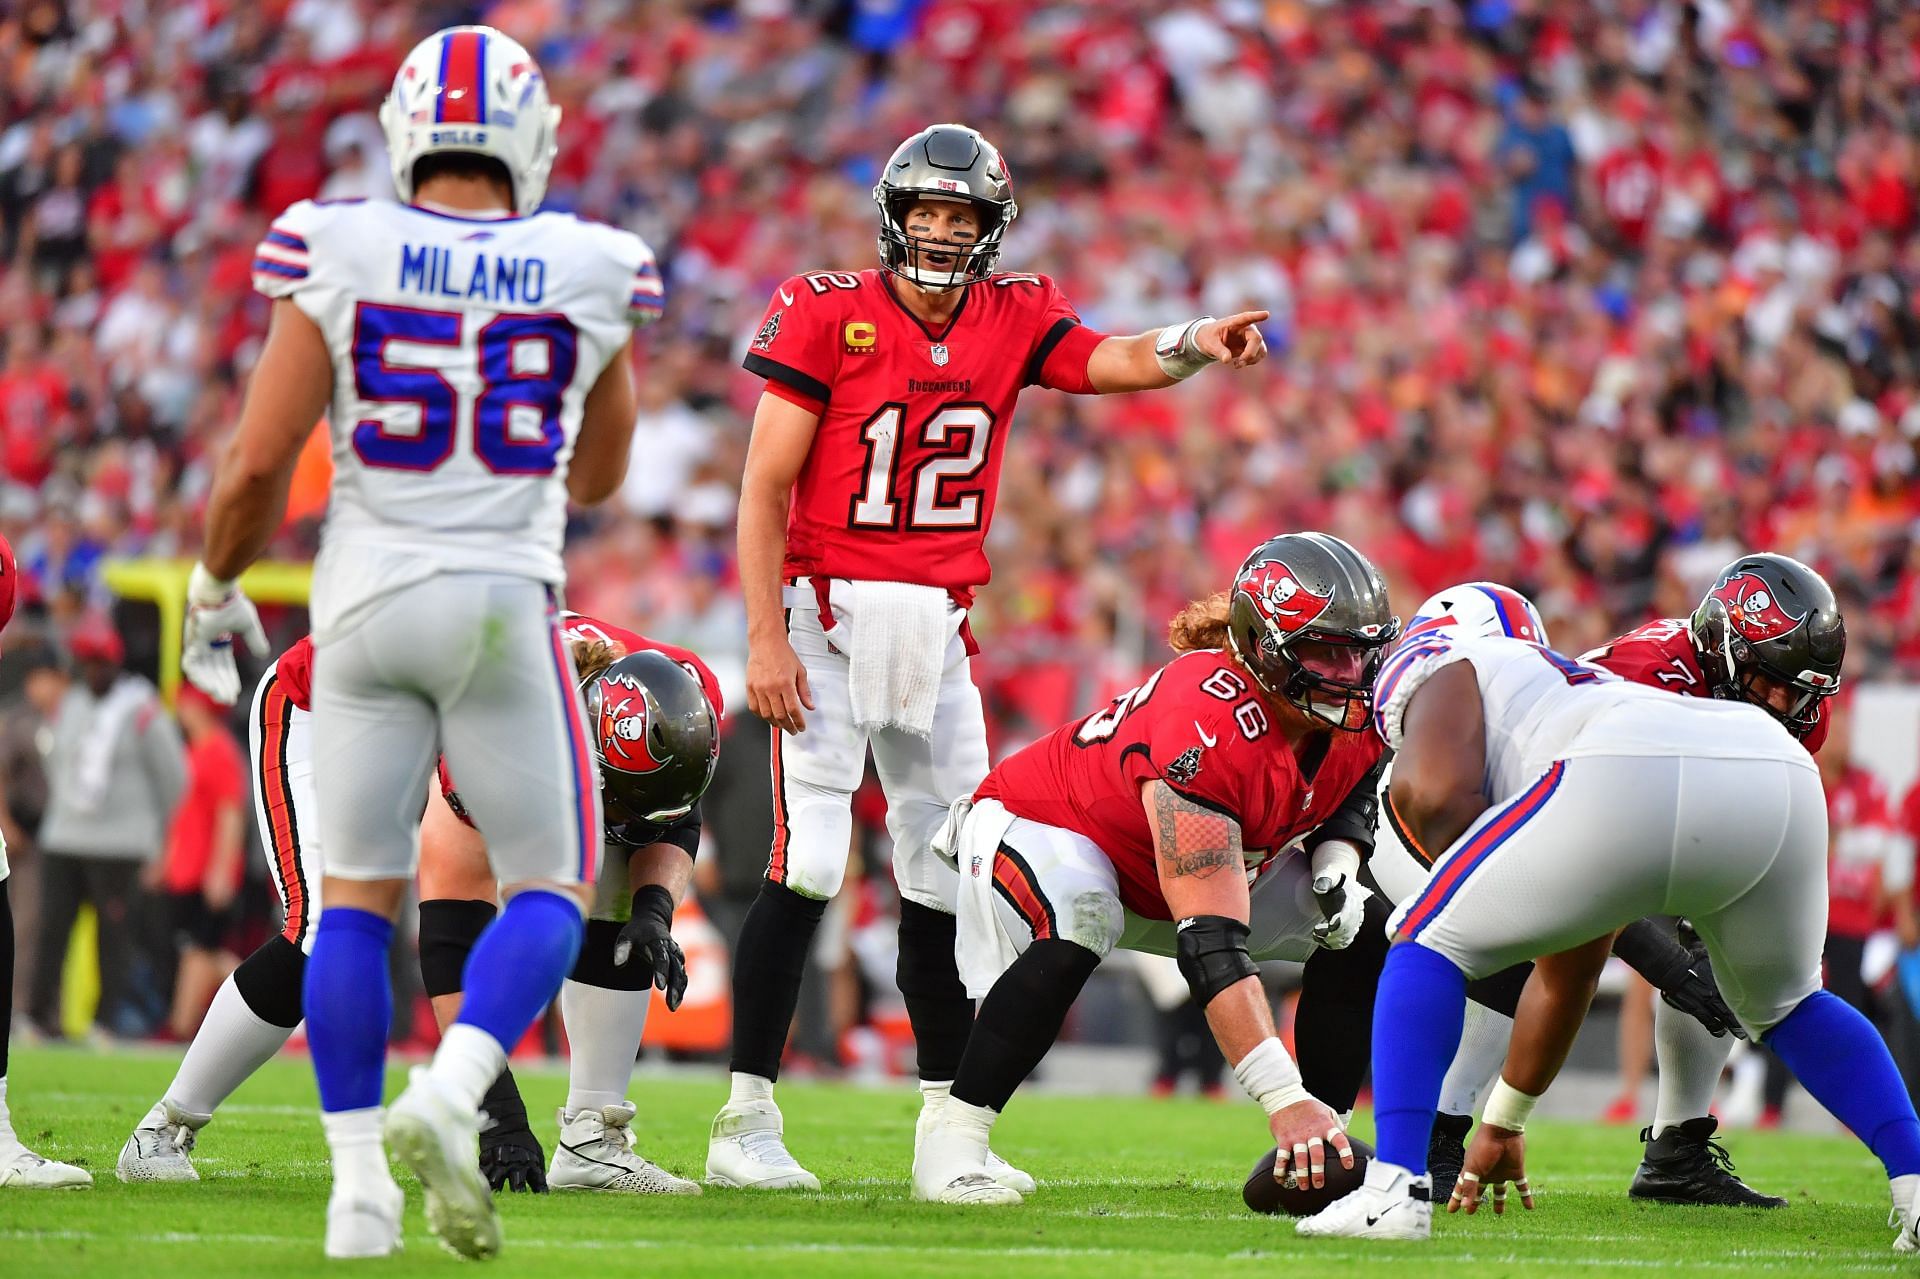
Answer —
595 967
813 828
269 981
448 930
926 968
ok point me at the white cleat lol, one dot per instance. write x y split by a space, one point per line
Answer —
596 1153
950 1167
1000 1170
747 1150
21 1169
1904 1188
365 1222
441 1144
1391 1203
159 1149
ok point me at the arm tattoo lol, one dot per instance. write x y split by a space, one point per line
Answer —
1193 840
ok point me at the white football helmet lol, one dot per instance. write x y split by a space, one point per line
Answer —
477 90
1481 608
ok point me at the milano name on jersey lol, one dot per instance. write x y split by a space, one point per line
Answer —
900 482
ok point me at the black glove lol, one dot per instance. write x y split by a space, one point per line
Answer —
647 942
1683 977
511 1159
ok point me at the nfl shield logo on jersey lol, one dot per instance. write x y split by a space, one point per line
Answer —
939 353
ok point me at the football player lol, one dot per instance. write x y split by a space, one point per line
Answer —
603 1001
471 356
869 485
20 1168
1168 805
656 715
1768 631
1593 801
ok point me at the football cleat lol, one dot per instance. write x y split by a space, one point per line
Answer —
1685 1165
365 1222
748 1151
1391 1203
440 1143
1447 1153
950 1167
21 1169
596 1153
1903 1187
159 1149
997 1168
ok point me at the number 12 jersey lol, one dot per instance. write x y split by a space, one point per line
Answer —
463 350
904 469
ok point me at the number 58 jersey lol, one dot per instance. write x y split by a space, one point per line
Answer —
463 350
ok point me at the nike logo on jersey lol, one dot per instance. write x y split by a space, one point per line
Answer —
786 298
1206 739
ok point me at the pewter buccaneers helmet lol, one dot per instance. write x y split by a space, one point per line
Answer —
472 89
944 162
1308 616
657 739
1772 615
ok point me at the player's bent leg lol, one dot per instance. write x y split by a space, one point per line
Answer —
1336 1000
1483 1047
252 1015
605 1008
20 1168
1682 1163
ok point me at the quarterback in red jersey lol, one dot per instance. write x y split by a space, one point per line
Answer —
1179 801
656 708
869 486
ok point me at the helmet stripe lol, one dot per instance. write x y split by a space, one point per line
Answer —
1518 620
463 82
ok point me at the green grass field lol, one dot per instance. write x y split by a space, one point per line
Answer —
1130 1187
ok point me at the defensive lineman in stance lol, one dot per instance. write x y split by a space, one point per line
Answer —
870 482
471 356
1610 801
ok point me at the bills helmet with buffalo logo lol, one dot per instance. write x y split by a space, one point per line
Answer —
657 739
1309 619
944 162
1771 618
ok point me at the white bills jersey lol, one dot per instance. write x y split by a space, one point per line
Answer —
1539 706
463 350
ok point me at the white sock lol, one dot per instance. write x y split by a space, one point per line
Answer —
6 1120
972 1120
747 1088
359 1156
1691 1060
230 1045
934 1092
1483 1047
466 1064
603 1033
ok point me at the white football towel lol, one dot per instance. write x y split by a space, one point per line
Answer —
982 947
895 636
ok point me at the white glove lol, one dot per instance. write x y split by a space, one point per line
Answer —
1343 909
216 612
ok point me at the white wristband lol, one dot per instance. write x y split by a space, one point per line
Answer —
1270 1077
1333 859
1179 358
204 588
1507 1107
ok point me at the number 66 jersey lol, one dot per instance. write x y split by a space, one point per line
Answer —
463 349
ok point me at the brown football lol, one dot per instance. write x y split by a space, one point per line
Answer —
1264 1194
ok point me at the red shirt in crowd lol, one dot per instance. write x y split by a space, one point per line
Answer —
216 780
1860 841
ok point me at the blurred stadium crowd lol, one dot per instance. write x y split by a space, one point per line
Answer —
1586 297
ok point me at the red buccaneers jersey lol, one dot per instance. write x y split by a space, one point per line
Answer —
901 479
1661 655
578 627
1199 726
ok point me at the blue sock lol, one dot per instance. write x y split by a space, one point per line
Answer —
517 966
1839 1057
348 1001
1417 1016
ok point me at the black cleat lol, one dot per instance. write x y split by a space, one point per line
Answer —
1685 1165
1447 1152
